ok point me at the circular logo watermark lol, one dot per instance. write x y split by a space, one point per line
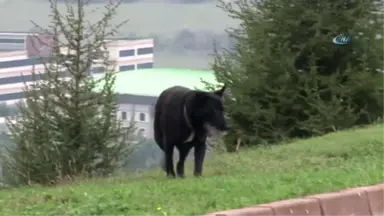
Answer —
342 39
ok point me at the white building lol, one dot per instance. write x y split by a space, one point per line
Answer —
138 89
18 57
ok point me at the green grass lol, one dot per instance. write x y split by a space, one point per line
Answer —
330 163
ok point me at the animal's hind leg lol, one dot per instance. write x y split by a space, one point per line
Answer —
163 163
183 153
168 150
157 132
159 139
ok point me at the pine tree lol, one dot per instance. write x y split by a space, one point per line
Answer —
286 77
68 124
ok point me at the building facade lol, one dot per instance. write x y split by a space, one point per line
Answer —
140 110
131 108
12 41
21 52
18 58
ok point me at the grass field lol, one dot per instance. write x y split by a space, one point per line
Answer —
329 163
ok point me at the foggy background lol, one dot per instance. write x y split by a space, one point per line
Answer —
183 31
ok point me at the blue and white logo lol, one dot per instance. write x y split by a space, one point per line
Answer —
342 39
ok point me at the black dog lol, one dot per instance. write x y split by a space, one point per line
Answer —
184 118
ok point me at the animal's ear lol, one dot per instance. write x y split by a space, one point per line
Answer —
221 91
200 98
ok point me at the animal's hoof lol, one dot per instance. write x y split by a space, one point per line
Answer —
171 176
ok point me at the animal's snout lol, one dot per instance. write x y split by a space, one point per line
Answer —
223 127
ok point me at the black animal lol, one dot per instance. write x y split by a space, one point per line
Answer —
183 119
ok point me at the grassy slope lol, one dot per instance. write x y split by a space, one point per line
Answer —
330 163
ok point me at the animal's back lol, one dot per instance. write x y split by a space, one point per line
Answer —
168 107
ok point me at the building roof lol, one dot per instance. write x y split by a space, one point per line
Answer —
151 82
136 99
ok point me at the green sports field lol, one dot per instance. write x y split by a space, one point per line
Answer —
151 82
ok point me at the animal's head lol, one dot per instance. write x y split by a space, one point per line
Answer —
210 110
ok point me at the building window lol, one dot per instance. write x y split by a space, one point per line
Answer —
141 132
124 115
145 65
144 51
11 40
126 133
7 47
142 117
125 53
22 62
97 70
26 78
126 67
125 129
12 96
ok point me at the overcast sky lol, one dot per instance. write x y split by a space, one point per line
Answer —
145 18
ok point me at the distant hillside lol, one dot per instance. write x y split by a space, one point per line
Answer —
145 18
152 1
183 33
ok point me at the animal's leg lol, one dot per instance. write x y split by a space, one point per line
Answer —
183 153
163 164
158 134
169 160
200 149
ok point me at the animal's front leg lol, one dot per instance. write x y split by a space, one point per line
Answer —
200 149
183 153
